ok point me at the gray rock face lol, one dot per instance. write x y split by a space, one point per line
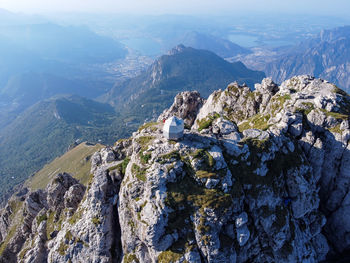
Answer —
262 176
56 190
186 105
234 100
32 218
224 127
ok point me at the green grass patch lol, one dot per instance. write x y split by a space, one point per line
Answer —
306 108
205 174
208 160
257 146
41 218
186 197
75 162
145 157
174 155
15 206
277 103
233 89
169 256
144 141
76 216
198 153
335 115
121 167
53 224
23 253
130 258
245 174
207 121
257 121
216 96
62 249
6 241
132 226
207 166
147 125
124 164
233 115
96 221
336 129
139 172
68 236
50 225
15 219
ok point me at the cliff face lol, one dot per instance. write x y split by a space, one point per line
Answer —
261 176
326 56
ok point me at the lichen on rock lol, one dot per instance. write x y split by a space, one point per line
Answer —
259 176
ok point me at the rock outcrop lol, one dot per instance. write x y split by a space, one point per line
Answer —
186 106
260 176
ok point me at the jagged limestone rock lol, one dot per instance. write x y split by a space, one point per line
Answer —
186 105
262 176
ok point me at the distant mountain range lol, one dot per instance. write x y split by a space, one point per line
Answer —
161 42
40 60
274 186
184 68
68 44
45 130
326 56
54 49
25 89
222 47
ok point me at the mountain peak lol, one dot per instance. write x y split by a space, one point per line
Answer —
177 49
326 56
186 69
248 178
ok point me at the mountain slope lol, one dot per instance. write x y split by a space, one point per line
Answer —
75 162
70 44
184 68
31 87
45 131
23 90
327 56
270 186
50 48
222 47
40 59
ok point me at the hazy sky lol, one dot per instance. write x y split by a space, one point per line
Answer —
330 7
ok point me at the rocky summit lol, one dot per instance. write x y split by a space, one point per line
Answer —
259 176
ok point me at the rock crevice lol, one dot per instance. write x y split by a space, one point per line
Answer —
259 176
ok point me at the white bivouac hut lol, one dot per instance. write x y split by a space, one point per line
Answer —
173 128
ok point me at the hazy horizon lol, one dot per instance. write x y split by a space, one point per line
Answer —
185 7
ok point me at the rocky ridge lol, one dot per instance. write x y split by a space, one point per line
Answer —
260 176
326 56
